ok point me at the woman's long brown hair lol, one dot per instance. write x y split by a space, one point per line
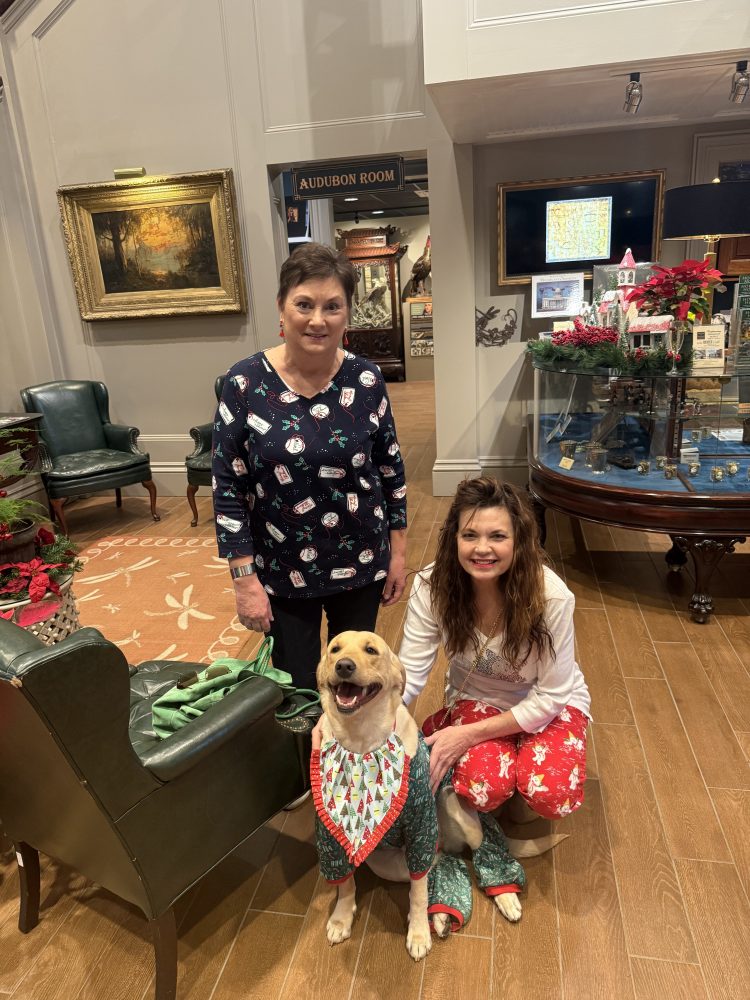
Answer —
523 624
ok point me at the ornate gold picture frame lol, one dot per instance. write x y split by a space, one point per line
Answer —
154 246
634 205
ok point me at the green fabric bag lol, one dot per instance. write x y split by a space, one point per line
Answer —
196 693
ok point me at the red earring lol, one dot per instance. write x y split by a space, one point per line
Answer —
281 329
346 338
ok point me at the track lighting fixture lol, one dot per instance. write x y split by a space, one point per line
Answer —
633 94
740 83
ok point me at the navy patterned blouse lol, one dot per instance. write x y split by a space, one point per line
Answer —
309 487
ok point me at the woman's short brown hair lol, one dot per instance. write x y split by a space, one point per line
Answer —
315 260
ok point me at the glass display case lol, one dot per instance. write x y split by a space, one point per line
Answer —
667 453
375 325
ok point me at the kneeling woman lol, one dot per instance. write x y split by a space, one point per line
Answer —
517 706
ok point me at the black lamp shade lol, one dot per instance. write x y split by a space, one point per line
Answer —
707 210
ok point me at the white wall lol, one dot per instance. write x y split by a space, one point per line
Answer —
176 87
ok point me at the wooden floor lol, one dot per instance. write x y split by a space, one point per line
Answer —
647 898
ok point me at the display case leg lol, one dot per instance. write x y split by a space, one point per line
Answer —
706 554
675 558
540 512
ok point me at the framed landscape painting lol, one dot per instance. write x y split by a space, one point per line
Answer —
154 246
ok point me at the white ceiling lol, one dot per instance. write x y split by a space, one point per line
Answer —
590 99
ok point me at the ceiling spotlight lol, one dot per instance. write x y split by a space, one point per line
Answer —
351 199
378 211
633 94
740 83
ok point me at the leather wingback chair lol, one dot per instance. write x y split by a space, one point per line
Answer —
82 451
198 462
84 779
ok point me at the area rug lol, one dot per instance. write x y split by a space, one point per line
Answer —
161 598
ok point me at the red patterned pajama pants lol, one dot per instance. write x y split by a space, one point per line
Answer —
547 768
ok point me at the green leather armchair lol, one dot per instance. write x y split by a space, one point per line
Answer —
198 462
84 779
82 451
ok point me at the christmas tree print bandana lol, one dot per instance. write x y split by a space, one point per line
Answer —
358 797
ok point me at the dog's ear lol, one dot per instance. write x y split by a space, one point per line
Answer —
399 668
321 670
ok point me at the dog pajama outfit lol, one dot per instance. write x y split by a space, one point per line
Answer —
362 801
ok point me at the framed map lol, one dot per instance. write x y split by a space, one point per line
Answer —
545 226
579 229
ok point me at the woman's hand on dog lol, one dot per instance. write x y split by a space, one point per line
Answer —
446 746
253 606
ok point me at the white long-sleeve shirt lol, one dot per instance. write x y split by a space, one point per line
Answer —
536 692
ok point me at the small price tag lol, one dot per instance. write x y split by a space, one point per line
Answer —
567 463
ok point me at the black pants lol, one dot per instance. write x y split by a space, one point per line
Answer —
296 626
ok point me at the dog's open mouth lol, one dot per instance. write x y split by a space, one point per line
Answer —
349 697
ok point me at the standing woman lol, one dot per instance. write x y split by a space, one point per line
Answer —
517 704
308 490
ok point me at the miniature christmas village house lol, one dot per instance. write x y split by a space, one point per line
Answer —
625 284
648 332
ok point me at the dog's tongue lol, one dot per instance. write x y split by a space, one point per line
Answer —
348 694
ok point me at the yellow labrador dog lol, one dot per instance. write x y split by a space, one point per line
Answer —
361 683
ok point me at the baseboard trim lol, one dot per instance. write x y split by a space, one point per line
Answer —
448 473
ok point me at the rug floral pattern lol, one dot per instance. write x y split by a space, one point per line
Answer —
160 598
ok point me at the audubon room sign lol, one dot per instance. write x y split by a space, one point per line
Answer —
332 179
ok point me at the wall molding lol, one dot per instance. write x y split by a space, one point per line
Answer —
335 122
172 438
578 10
708 148
41 29
18 11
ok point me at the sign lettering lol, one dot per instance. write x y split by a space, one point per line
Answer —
336 179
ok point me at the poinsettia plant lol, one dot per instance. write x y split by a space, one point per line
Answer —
54 560
681 291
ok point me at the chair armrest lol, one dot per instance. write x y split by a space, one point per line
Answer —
122 438
15 642
202 437
45 459
201 737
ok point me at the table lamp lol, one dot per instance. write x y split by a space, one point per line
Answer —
707 212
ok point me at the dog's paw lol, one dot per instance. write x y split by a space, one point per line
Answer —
338 931
418 942
509 905
441 924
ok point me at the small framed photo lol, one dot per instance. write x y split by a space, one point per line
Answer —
556 295
154 246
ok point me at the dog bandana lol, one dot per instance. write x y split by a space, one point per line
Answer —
362 794
363 800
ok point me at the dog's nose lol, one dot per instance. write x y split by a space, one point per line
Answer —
345 667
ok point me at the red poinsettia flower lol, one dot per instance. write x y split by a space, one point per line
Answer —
32 575
45 537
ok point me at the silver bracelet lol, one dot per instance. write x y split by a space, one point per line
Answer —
247 569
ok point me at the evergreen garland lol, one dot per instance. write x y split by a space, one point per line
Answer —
607 355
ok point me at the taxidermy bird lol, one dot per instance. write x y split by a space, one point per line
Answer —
376 294
420 269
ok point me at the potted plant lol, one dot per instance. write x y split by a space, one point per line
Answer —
36 564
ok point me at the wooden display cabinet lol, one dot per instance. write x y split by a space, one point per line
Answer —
376 324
